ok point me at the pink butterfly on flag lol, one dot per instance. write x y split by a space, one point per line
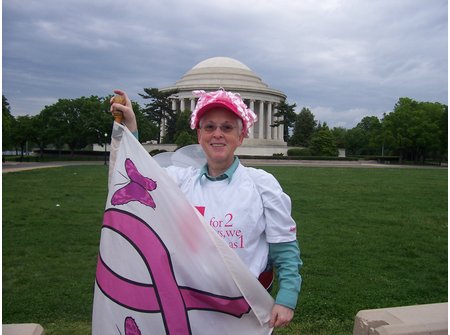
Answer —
136 190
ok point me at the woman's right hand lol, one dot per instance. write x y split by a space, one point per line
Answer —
129 118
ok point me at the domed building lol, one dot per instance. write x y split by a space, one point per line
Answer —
214 73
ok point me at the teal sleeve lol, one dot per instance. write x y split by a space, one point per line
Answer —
136 134
285 257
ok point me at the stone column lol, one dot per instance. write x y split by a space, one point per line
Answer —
252 129
261 120
275 129
279 132
192 104
162 131
182 105
269 120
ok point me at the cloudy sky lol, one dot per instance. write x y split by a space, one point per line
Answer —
342 59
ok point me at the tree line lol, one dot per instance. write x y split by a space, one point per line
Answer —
414 131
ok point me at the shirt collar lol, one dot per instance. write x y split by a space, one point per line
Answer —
227 174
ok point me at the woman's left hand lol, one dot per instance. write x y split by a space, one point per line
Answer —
280 316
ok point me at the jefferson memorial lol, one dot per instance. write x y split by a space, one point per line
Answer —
214 73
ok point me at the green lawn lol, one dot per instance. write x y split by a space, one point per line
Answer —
370 238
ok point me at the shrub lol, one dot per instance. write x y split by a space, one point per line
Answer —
156 151
183 139
299 152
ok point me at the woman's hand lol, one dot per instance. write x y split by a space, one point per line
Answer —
281 316
129 118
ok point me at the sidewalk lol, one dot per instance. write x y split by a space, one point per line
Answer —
331 163
23 166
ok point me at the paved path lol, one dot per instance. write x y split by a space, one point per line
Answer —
317 163
23 166
17 166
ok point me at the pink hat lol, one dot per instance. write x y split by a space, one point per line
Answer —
222 98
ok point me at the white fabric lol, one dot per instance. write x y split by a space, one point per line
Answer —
161 268
248 213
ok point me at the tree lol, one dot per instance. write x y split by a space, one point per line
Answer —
148 130
23 133
340 136
415 130
182 126
184 138
98 118
286 116
366 138
159 108
371 129
77 122
427 131
397 124
42 135
322 143
355 140
443 126
8 122
304 128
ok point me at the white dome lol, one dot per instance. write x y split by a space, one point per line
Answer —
221 62
228 73
217 72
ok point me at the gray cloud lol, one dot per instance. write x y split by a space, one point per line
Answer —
342 59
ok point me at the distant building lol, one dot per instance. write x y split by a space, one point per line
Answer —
214 73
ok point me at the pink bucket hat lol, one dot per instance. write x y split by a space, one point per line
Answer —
224 99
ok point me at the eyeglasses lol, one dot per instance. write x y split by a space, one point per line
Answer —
224 128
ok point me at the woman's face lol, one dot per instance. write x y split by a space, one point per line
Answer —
219 135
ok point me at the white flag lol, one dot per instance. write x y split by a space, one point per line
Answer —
161 269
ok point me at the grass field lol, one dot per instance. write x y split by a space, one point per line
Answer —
370 238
